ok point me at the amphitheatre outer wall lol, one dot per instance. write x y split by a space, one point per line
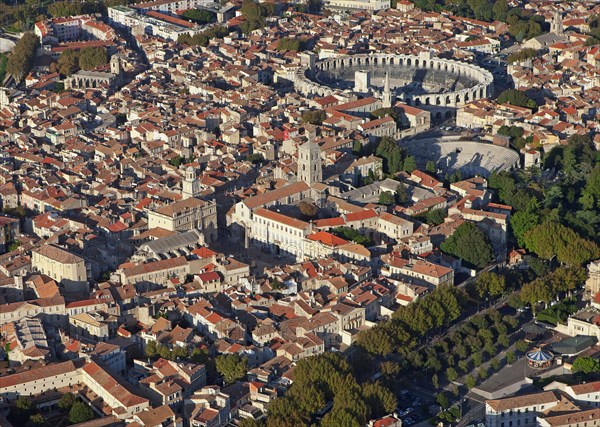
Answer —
441 104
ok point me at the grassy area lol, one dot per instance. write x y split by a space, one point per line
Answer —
558 313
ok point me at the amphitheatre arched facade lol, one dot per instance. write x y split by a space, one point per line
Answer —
436 84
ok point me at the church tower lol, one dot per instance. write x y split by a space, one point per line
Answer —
556 26
309 163
115 65
387 93
190 186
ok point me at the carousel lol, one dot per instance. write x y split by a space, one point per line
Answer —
539 359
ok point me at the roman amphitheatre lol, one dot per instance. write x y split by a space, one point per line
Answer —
424 81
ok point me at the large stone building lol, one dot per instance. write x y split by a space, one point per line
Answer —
280 233
187 215
368 5
63 266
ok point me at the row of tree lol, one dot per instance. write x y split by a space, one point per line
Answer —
70 61
22 57
410 324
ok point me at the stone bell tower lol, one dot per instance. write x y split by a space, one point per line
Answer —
190 186
309 163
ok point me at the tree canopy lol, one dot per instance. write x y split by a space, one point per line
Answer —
80 413
392 155
22 57
199 16
586 364
233 367
470 244
552 239
516 97
328 378
314 117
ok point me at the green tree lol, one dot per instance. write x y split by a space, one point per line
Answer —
431 167
314 117
522 55
523 221
68 62
552 239
151 349
380 400
510 357
37 419
436 216
391 153
22 56
389 368
500 10
470 382
67 401
586 364
442 400
522 346
469 244
253 16
401 193
92 57
490 283
386 198
410 164
291 43
451 374
375 341
232 366
516 97
23 403
199 16
80 413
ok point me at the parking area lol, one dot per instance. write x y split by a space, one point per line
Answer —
413 407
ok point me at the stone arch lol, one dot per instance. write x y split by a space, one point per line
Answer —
400 61
449 114
417 102
427 101
375 61
409 62
481 95
445 66
448 100
392 60
458 98
467 97
408 101
438 115
416 62
439 65
474 95
437 101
